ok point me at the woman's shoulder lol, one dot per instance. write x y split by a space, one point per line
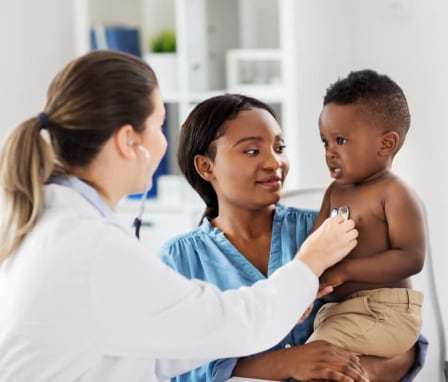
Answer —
189 243
196 253
292 223
185 239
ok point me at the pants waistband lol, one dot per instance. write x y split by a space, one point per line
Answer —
392 295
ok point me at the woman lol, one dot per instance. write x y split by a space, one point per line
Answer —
80 298
232 152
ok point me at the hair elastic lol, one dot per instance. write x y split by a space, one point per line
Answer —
44 119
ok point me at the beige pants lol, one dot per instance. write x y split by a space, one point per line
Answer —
380 322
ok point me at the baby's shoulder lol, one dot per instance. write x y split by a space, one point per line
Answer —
397 187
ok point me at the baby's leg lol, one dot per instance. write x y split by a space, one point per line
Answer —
382 322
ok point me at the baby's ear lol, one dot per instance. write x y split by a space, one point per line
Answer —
389 143
204 167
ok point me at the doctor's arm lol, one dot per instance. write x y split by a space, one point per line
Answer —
142 307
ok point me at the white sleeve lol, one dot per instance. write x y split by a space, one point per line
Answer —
145 309
168 368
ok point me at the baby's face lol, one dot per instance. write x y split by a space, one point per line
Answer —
352 144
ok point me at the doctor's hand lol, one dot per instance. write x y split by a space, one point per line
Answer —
331 242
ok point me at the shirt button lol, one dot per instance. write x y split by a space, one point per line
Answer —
287 346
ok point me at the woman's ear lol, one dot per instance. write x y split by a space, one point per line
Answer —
124 139
204 167
389 143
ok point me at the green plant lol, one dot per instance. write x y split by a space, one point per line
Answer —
165 42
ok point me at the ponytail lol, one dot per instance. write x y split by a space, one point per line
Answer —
26 163
87 101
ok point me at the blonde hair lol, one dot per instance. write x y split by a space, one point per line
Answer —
92 97
26 162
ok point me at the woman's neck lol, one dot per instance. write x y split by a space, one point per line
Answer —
98 183
248 224
250 232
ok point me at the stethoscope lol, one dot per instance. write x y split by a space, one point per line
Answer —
93 198
138 219
343 211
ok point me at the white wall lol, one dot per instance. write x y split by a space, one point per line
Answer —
407 40
35 41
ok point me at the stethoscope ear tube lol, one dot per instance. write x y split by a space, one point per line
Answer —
138 220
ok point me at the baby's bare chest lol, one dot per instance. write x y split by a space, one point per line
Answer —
366 207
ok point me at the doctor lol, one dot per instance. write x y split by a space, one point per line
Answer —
80 299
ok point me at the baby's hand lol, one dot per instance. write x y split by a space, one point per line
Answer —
321 292
324 290
306 313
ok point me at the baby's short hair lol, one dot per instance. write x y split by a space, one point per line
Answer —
380 95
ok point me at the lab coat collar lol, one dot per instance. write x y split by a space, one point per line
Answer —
87 192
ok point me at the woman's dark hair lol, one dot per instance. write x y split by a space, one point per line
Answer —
205 123
92 97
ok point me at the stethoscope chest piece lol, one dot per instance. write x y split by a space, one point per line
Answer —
343 211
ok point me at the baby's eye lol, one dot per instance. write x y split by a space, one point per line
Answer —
325 142
340 140
281 148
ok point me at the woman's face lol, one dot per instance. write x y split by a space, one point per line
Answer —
250 164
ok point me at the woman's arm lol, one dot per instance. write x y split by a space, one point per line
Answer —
314 361
321 360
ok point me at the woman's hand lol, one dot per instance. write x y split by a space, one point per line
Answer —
317 360
331 242
320 360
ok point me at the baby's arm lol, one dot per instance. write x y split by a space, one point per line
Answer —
406 231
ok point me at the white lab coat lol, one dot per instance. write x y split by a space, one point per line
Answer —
81 300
